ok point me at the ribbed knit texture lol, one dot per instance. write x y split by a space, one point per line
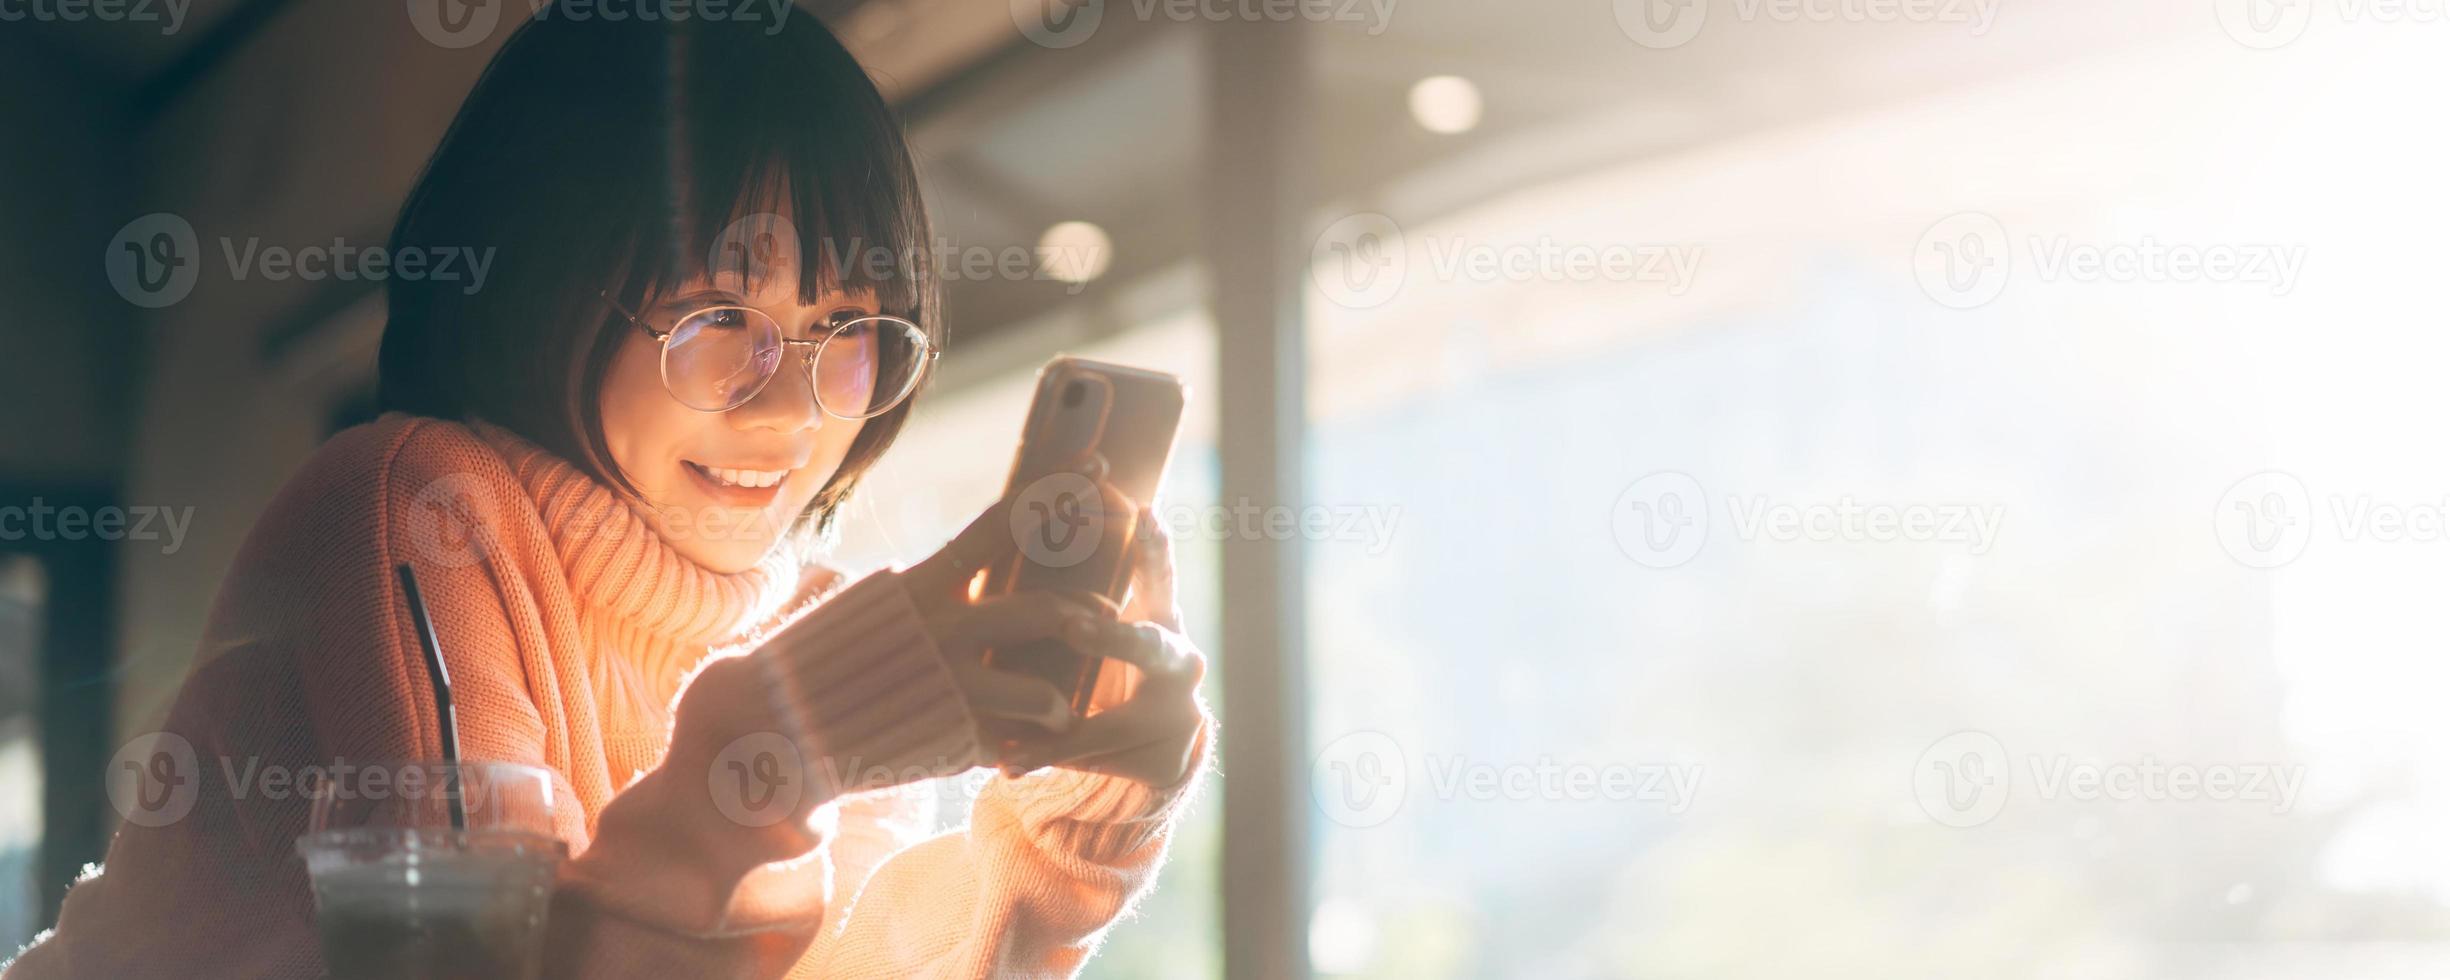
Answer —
879 715
580 641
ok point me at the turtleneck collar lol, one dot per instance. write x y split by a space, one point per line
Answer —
619 564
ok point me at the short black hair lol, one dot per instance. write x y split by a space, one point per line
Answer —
601 156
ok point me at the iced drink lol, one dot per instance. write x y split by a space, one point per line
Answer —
405 890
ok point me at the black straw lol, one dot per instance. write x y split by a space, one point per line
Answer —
441 678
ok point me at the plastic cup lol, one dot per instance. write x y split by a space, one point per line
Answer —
402 893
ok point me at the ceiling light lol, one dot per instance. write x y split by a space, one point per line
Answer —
1446 104
1075 251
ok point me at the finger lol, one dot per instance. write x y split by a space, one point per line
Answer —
997 696
1131 763
1162 655
1153 571
1016 618
991 537
1120 745
1098 735
1094 601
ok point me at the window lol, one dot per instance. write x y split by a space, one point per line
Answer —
1786 619
21 768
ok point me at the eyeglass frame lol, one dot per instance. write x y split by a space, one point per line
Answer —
663 341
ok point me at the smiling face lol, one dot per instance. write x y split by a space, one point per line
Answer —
723 487
767 120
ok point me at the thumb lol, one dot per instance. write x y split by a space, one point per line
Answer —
1152 573
991 538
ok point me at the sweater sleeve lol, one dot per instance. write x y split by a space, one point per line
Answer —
712 864
1047 862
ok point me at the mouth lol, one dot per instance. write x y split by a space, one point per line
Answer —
735 486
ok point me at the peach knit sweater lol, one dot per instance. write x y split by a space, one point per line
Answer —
571 631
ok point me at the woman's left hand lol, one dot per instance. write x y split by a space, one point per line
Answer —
1145 719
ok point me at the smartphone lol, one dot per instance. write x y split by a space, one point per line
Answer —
1095 416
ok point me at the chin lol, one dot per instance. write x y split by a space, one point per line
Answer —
731 561
723 539
730 554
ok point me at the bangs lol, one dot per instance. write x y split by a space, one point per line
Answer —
845 239
762 147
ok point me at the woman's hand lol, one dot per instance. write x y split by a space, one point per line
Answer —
1007 705
709 720
1146 717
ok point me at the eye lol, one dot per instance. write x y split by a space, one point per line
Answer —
851 324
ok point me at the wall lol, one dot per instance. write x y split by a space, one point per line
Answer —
313 130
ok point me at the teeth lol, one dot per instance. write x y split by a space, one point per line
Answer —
743 478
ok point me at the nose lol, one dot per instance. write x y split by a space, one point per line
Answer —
788 404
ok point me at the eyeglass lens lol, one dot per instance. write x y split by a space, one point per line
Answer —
716 360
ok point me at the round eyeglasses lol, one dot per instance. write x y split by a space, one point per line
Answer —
716 359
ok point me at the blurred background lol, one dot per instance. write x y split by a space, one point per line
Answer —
1673 488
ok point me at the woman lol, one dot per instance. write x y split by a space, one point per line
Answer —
608 468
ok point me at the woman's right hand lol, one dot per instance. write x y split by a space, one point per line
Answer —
1007 705
710 726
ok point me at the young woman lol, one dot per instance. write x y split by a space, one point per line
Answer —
608 468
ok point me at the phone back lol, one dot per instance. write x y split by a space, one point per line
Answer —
1079 534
